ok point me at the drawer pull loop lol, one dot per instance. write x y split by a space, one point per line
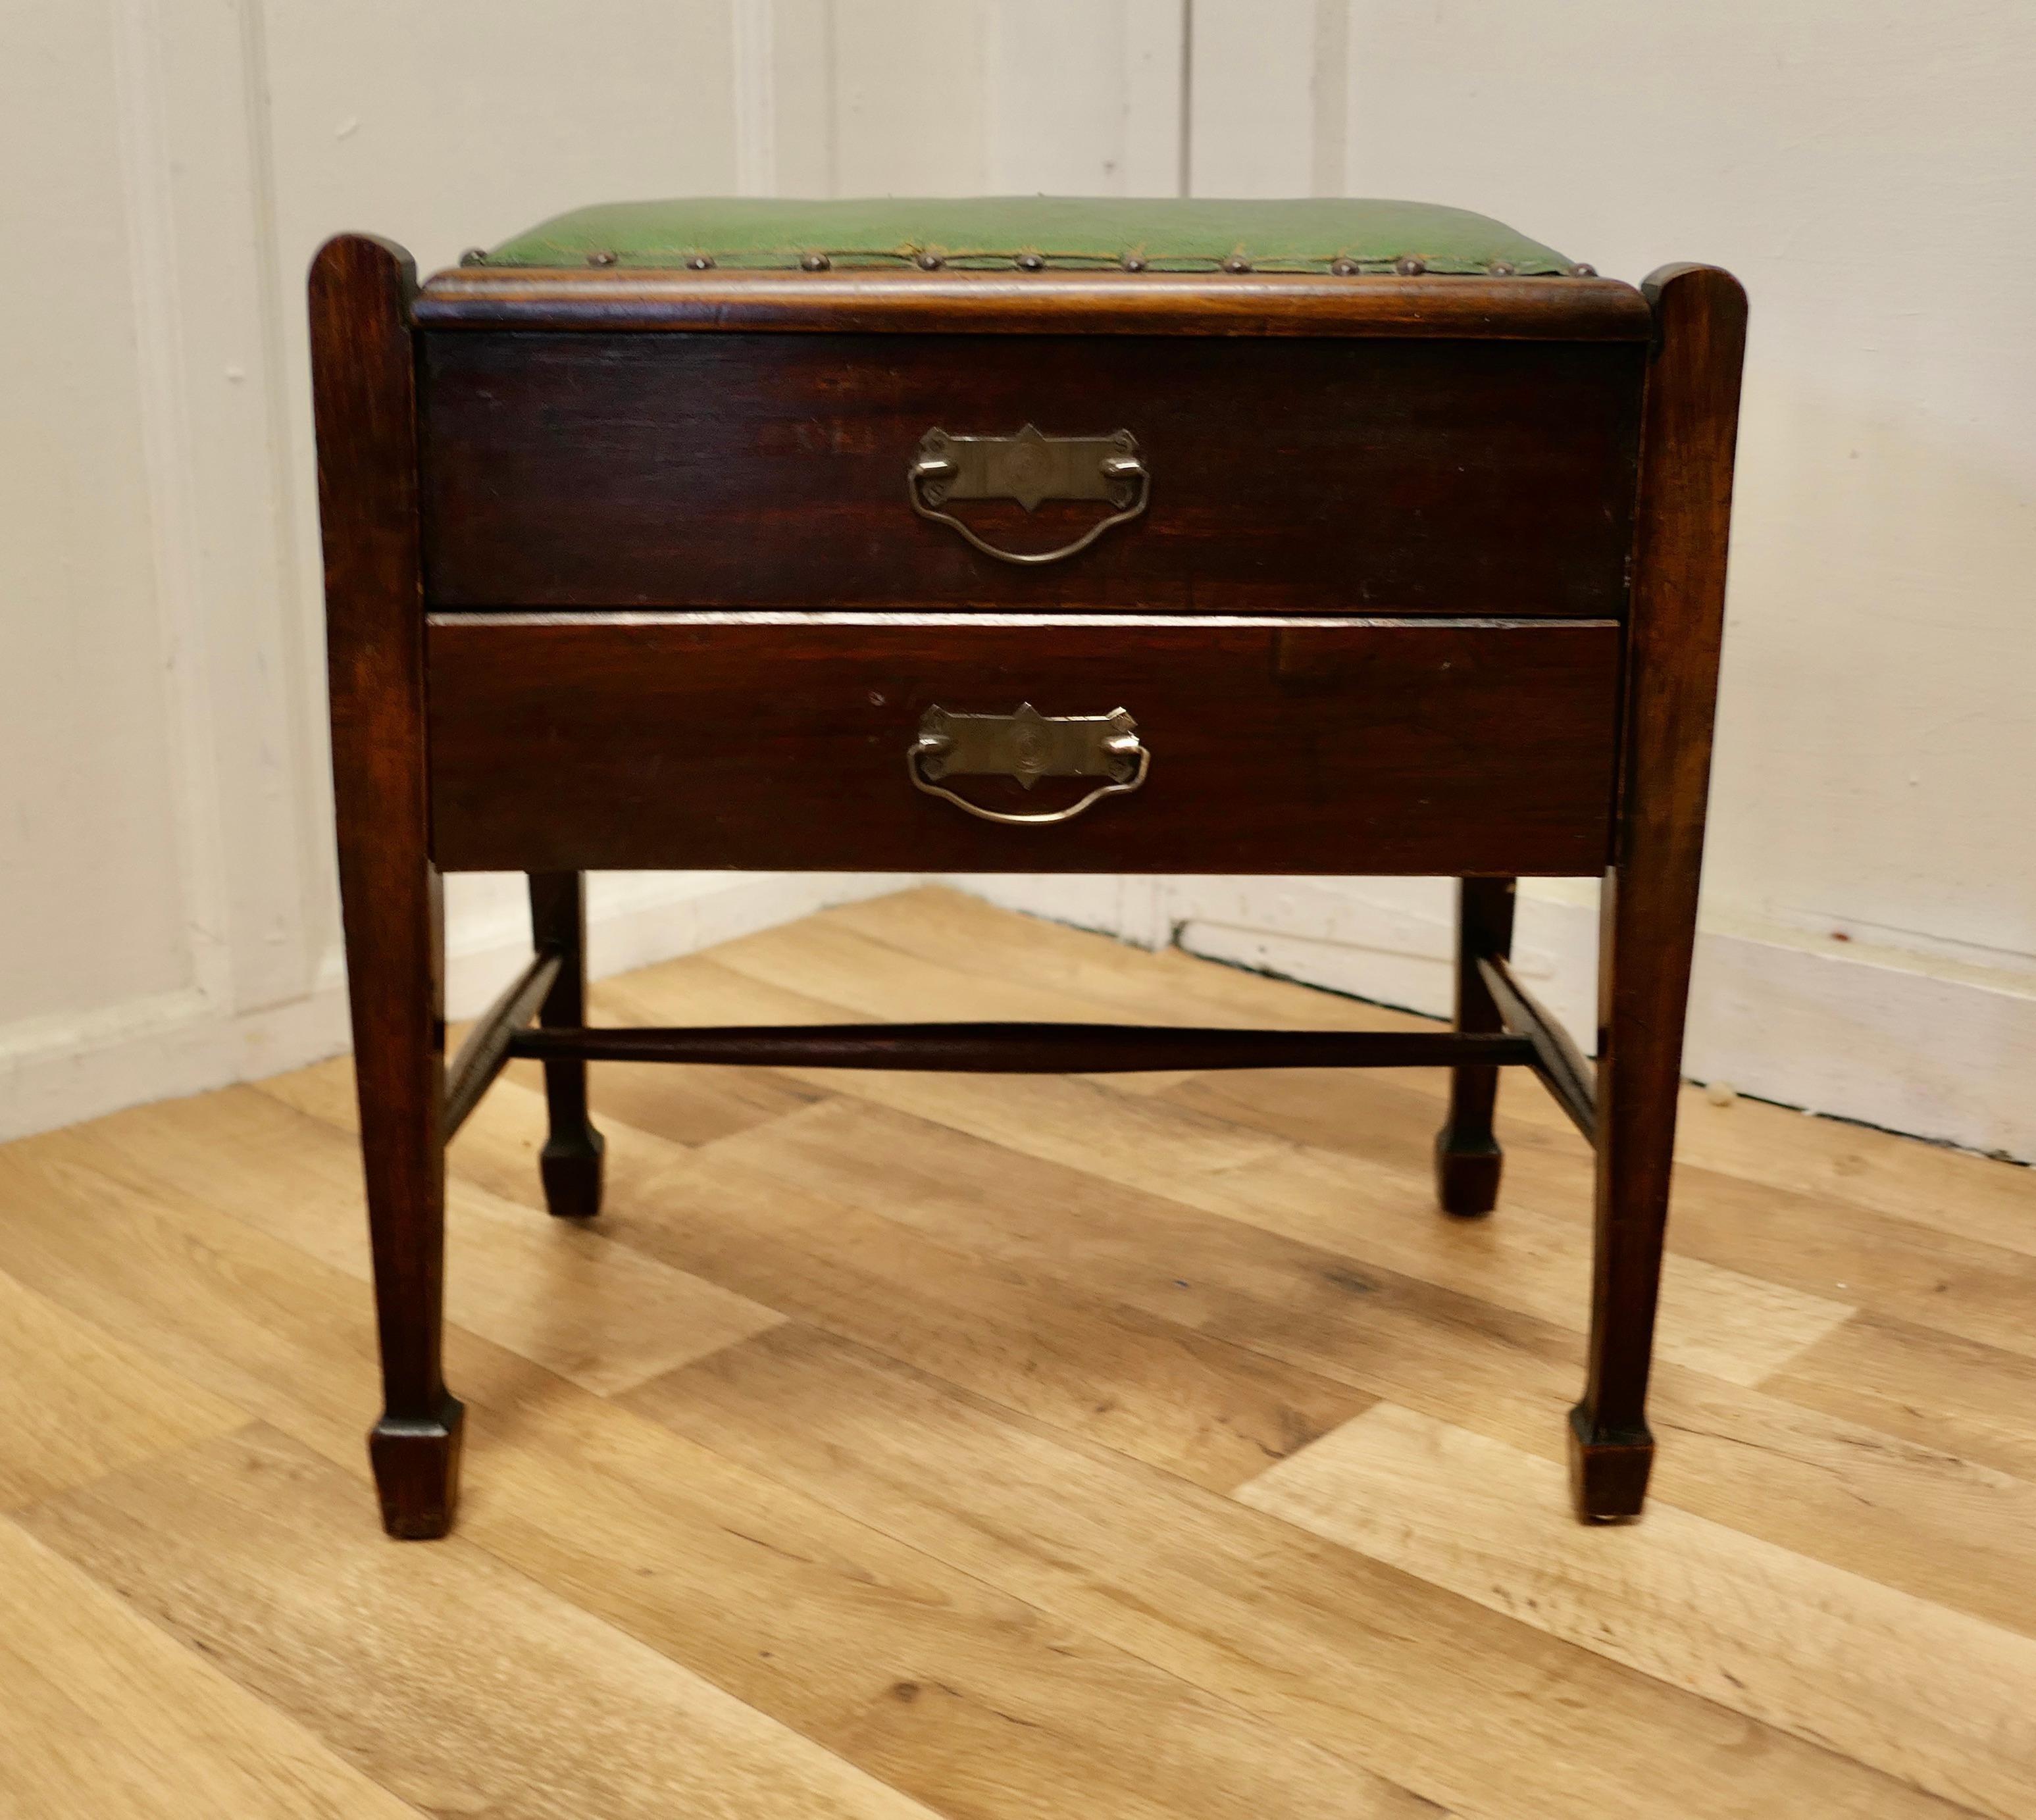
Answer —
1028 467
1027 745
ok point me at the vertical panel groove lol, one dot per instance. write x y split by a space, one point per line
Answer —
166 442
755 64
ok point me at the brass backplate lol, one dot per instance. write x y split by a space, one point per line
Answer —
1028 467
1027 745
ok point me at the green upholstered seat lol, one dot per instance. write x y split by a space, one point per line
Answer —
1166 235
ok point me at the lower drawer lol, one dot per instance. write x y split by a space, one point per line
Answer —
792 742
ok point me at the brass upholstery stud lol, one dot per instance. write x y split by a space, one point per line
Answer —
1031 262
1344 267
1580 270
600 258
1133 263
930 261
474 256
1237 262
1409 265
816 262
699 263
1504 269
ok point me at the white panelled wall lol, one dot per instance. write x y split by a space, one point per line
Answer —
167 918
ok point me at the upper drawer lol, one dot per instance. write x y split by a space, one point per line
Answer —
1412 477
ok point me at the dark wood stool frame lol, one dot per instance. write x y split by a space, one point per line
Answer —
365 313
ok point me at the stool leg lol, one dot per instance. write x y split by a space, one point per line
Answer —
1468 1157
393 951
1645 946
572 1159
364 376
1648 913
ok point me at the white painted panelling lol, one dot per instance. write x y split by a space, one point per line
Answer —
93 907
166 915
803 105
1329 99
909 98
210 307
756 62
166 896
1257 105
1082 97
960 97
1868 171
1155 68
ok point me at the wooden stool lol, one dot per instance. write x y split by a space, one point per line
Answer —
1030 536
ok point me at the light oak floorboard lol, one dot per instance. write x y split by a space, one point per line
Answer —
974 1700
1730 1323
1191 1401
102 1715
962 1698
1931 1388
1720 1320
468 1689
1895 1503
718 988
1949 1191
560 1292
700 1103
247 1318
911 1433
1828 1250
1938 1698
1477 1711
78 1403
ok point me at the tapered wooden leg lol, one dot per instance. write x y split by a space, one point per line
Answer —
394 949
570 1162
1468 1157
394 945
1649 911
1644 969
362 380
394 969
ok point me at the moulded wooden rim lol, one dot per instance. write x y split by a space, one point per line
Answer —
1563 309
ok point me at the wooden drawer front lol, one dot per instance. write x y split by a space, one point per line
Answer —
1337 746
592 470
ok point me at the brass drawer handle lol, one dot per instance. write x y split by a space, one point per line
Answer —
1029 746
1028 467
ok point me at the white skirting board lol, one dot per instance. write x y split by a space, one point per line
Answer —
56 1070
1865 1034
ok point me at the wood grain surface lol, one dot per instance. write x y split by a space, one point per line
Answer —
1327 746
1261 303
363 395
1381 476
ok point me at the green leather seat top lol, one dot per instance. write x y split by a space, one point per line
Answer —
1169 234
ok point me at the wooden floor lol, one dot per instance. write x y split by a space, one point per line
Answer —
1009 1447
